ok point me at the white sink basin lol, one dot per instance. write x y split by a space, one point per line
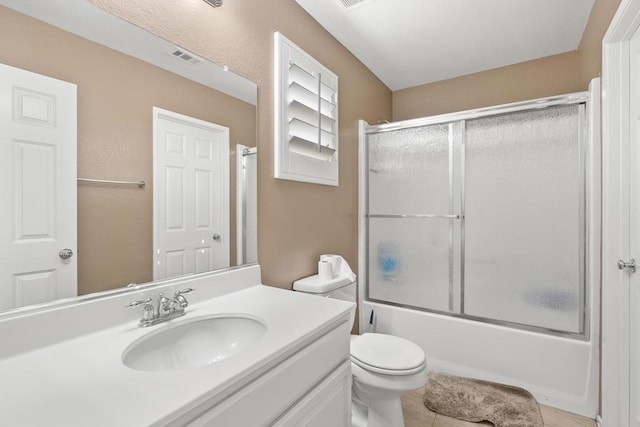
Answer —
193 343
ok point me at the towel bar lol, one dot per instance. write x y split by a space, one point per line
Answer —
140 183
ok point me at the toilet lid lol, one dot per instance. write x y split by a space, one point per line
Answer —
387 354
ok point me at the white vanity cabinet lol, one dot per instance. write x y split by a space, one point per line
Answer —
296 374
310 388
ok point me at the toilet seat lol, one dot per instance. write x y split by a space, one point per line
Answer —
383 371
387 354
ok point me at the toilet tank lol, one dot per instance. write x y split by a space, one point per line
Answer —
341 288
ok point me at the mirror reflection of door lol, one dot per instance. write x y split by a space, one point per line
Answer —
191 206
38 139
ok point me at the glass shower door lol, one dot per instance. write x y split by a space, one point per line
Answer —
482 216
412 217
524 218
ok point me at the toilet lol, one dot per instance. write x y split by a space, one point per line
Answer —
384 367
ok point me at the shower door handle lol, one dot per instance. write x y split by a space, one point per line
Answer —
631 265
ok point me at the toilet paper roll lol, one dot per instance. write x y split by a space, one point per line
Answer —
325 271
336 262
326 257
340 265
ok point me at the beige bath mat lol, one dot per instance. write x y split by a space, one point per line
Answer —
475 400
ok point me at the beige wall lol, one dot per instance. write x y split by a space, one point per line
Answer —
548 76
116 94
590 48
296 221
552 75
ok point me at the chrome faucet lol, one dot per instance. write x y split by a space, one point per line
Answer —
167 308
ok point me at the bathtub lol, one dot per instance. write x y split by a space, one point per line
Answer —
559 372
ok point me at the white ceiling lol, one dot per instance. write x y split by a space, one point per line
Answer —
408 43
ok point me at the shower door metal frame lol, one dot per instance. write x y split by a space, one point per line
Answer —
365 129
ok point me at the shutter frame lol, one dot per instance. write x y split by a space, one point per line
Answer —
306 116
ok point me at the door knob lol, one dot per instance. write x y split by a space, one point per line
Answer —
631 265
217 237
66 253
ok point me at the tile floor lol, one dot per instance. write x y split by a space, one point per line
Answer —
425 418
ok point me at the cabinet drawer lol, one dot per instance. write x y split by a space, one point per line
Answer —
329 404
266 398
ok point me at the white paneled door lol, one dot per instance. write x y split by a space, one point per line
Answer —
38 163
634 232
620 391
191 196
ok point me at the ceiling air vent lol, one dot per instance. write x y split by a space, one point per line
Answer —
185 56
349 3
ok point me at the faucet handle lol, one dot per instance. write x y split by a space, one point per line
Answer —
147 313
179 296
184 291
134 304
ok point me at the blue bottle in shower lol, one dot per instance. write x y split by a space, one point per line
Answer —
388 260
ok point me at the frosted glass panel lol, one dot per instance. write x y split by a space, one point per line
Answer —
409 262
523 224
409 171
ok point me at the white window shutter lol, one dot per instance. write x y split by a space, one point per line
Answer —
306 116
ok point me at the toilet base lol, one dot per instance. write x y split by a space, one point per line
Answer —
377 412
359 414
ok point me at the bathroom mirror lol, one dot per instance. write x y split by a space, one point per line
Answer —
127 81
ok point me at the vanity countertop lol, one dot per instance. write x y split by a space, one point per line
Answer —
83 382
